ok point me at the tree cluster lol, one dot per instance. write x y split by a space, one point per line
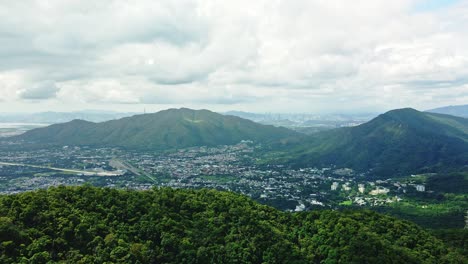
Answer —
100 225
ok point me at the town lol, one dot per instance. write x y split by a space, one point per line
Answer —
232 168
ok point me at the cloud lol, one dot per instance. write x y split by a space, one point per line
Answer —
199 93
39 91
297 55
97 91
10 82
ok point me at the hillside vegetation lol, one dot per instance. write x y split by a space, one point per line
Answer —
168 129
93 225
398 142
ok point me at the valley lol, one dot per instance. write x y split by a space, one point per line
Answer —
205 132
408 164
232 168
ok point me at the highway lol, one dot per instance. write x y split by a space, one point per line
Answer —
86 173
120 164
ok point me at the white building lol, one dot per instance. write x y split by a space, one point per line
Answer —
420 188
346 187
300 207
379 190
361 188
334 186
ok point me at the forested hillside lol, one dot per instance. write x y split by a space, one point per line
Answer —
168 129
399 142
95 225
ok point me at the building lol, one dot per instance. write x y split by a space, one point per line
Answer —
361 188
379 190
334 186
420 188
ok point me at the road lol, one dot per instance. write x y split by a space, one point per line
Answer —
86 173
119 164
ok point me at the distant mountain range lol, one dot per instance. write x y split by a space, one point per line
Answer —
61 117
397 142
456 110
168 129
306 122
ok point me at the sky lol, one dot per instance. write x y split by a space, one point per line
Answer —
314 56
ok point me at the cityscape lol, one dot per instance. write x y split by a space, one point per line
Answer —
230 168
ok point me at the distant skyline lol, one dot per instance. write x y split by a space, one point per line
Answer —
299 56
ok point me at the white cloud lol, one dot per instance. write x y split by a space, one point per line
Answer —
97 91
38 90
10 83
299 55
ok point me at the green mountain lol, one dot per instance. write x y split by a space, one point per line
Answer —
94 225
455 110
169 129
398 142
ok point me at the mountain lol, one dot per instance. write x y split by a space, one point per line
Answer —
455 110
96 225
398 142
168 129
61 117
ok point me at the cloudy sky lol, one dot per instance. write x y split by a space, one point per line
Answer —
255 55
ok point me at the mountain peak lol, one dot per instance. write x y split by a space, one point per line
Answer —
80 121
406 116
183 111
403 112
397 142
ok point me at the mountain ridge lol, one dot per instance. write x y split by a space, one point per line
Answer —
455 110
167 129
397 142
61 117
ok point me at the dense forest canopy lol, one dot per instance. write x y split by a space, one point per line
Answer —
96 225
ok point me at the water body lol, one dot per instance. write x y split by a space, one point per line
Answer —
13 129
